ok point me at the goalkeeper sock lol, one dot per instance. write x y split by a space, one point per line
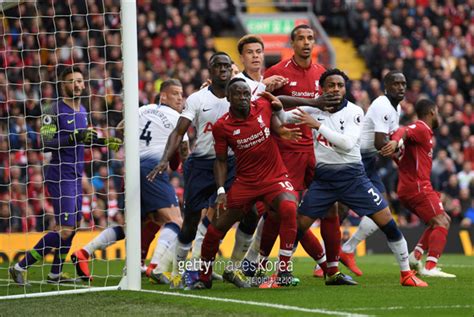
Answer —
60 255
104 239
366 227
166 240
41 249
201 232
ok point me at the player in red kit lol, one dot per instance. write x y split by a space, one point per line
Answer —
415 143
261 176
302 87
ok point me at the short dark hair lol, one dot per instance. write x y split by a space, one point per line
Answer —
390 75
330 72
218 54
69 70
233 81
170 82
423 107
296 28
248 39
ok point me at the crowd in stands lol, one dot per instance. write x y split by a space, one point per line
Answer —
430 41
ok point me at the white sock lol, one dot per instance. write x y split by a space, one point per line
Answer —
165 241
241 246
366 227
254 250
201 232
181 253
400 250
102 241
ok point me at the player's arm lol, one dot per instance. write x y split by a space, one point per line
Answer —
342 141
410 133
324 102
174 141
284 132
220 164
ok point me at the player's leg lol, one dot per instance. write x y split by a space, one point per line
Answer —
251 257
309 242
208 213
215 232
163 254
243 237
429 208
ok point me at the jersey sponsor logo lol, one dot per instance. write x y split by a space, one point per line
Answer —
204 110
322 140
236 132
207 128
252 140
304 94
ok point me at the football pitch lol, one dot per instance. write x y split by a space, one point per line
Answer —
378 294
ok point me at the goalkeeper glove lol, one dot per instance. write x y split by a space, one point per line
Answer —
113 143
86 136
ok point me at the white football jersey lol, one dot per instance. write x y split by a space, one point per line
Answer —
338 139
203 108
381 117
156 122
256 87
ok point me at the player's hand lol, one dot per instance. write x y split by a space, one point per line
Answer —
221 204
113 144
159 169
293 134
305 118
276 103
275 82
389 148
86 136
327 102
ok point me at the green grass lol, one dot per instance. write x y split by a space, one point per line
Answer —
379 294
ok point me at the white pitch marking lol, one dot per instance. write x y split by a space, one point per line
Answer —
262 304
412 307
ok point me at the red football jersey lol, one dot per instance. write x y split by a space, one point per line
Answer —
416 159
304 83
258 158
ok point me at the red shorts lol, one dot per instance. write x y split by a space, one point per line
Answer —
300 166
244 195
426 205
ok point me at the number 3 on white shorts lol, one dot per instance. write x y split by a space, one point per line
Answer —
286 185
377 199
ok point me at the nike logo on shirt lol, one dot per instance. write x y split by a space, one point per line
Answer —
204 110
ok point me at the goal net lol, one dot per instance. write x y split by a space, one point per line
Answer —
61 183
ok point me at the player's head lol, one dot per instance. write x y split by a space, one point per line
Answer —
220 69
333 81
250 49
239 95
171 94
235 69
427 111
302 41
395 85
71 82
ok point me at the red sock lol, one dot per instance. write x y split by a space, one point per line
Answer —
210 246
312 246
437 242
331 233
287 212
270 230
148 233
422 244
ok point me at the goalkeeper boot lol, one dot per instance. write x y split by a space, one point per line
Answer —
236 277
60 278
415 264
160 278
18 276
409 278
348 259
80 259
340 279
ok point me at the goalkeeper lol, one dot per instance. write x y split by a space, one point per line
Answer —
64 132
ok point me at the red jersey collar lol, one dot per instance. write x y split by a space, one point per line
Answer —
427 126
295 64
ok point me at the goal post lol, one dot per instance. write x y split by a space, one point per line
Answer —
38 39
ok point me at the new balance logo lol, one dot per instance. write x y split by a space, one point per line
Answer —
293 83
236 132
